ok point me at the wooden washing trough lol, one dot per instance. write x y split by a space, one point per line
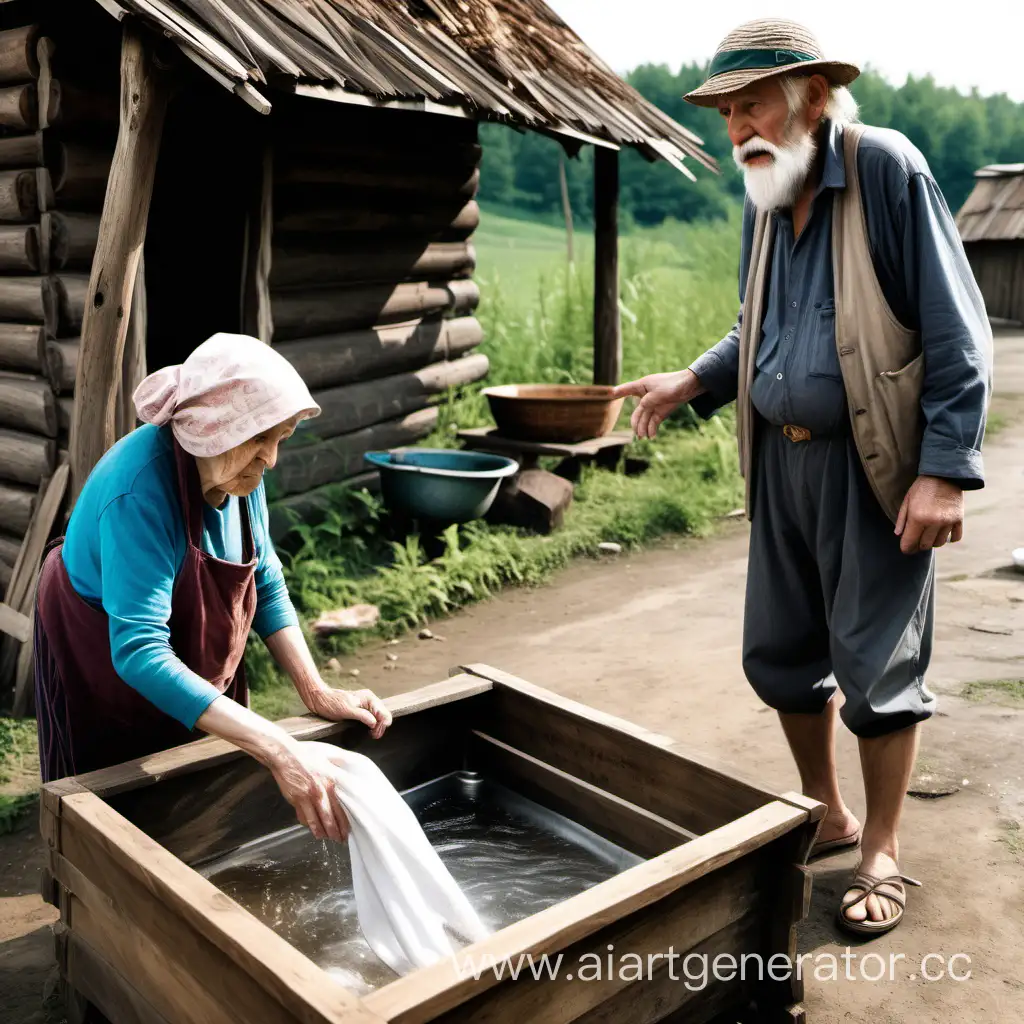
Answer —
148 940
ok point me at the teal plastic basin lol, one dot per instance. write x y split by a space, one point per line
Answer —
440 484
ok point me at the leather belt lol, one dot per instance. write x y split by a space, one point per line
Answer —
795 433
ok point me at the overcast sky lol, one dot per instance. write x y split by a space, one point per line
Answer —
981 44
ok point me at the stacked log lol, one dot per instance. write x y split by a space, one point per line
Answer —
371 288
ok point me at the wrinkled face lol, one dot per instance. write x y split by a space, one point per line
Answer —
772 133
238 471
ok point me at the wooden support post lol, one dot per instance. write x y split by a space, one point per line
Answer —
134 365
607 326
144 94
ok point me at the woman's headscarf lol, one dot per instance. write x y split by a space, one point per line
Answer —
231 388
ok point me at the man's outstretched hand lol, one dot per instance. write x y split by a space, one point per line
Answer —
931 514
660 395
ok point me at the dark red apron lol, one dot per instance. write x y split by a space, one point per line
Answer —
88 716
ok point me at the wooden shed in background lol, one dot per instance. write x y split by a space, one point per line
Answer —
299 170
991 225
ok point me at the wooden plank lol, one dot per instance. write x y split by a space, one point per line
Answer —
133 369
709 913
28 403
19 107
72 291
305 265
607 323
22 347
16 506
19 197
62 363
632 827
20 249
303 467
488 439
445 224
122 234
181 974
354 406
80 181
14 624
308 312
21 151
668 993
336 359
422 996
21 592
26 458
210 753
73 240
622 758
107 989
18 60
29 300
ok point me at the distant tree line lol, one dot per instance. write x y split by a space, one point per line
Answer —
957 134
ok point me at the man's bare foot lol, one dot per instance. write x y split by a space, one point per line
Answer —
876 907
837 824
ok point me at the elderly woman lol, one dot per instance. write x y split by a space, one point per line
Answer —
145 607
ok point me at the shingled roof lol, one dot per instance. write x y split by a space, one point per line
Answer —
507 60
994 211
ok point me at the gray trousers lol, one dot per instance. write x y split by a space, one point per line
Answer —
831 599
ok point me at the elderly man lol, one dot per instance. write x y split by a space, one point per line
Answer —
861 369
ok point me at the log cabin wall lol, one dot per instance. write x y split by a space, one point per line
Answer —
58 123
370 285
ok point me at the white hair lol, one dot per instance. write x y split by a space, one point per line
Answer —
841 106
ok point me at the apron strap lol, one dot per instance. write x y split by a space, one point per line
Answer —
191 493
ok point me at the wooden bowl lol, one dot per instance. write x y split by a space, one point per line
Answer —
562 413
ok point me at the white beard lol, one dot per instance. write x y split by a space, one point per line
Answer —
777 185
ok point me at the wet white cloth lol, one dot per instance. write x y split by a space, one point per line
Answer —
410 908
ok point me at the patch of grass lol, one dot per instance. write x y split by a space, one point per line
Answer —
1013 837
16 810
19 778
999 690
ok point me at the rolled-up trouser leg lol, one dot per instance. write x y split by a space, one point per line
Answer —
829 591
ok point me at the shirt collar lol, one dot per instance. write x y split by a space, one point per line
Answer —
833 171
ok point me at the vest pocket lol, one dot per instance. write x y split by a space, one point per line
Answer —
898 396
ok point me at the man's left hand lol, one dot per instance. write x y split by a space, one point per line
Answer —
362 705
931 514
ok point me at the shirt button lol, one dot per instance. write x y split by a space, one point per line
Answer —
778 376
788 336
793 304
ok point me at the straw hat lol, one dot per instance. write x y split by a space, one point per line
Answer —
762 49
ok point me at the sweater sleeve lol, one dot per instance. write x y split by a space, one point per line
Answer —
274 609
137 591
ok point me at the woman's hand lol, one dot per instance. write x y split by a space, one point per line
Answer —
307 779
362 705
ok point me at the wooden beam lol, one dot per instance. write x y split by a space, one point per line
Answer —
13 623
23 347
144 95
18 60
133 368
607 324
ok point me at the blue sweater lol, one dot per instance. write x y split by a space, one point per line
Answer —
124 548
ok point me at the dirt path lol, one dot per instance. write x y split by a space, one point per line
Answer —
655 638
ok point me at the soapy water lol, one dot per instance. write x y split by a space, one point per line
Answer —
511 857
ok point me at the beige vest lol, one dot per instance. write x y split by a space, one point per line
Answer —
881 361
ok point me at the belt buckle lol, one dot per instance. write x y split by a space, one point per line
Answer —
795 433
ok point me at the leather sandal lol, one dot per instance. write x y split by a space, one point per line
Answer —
824 846
870 885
